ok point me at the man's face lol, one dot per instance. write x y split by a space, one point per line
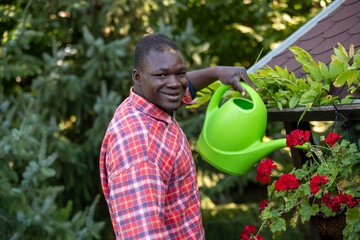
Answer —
163 80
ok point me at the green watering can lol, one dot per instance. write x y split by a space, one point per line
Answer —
231 138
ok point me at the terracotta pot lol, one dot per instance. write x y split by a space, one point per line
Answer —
329 226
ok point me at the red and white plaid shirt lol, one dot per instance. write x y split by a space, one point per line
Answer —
148 174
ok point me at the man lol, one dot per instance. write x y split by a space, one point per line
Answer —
146 167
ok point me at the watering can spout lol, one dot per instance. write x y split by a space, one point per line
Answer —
239 163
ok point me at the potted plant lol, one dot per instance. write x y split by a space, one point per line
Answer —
325 191
281 89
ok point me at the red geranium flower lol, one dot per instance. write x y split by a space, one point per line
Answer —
344 198
258 237
264 170
286 182
331 202
263 178
247 231
297 137
316 181
354 203
263 205
332 138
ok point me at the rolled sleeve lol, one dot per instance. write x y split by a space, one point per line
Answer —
190 94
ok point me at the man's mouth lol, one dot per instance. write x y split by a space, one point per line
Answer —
172 96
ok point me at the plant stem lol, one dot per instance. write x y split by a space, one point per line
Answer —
276 79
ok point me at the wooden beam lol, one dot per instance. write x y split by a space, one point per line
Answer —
316 113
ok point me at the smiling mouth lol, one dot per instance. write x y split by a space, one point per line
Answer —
173 96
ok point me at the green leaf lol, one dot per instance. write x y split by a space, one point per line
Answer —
326 87
16 134
50 160
266 214
34 166
301 172
336 68
356 61
347 76
277 224
351 51
315 73
326 210
352 217
301 59
302 56
347 99
294 100
89 39
214 85
309 80
324 70
342 53
48 172
308 97
306 210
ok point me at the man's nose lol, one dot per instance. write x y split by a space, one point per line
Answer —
173 81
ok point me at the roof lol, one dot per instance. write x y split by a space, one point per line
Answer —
338 23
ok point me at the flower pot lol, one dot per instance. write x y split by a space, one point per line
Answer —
329 226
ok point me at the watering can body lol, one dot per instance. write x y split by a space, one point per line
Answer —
231 138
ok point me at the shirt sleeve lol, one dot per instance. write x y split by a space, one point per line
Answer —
137 202
190 94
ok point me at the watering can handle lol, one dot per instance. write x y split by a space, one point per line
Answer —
216 98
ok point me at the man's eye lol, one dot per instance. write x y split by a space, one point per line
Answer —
182 74
160 75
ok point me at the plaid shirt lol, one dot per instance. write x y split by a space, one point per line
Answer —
148 174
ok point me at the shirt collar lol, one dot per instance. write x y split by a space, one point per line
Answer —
148 108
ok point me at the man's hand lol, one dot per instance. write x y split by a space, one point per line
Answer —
226 74
232 76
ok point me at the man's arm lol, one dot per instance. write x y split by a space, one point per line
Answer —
227 75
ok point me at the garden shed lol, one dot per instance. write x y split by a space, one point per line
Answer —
338 23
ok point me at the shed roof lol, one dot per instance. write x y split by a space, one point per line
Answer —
338 23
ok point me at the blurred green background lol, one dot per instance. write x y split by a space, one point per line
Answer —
64 68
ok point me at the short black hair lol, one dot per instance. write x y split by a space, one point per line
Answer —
156 41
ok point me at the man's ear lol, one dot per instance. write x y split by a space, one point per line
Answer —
136 76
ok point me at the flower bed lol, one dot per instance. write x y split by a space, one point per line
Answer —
324 189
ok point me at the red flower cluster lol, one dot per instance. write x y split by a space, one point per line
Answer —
354 203
248 231
297 137
341 198
264 170
332 138
316 181
286 182
263 205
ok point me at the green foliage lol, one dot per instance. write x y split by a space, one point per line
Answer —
72 61
279 88
340 165
64 68
282 89
27 196
239 30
